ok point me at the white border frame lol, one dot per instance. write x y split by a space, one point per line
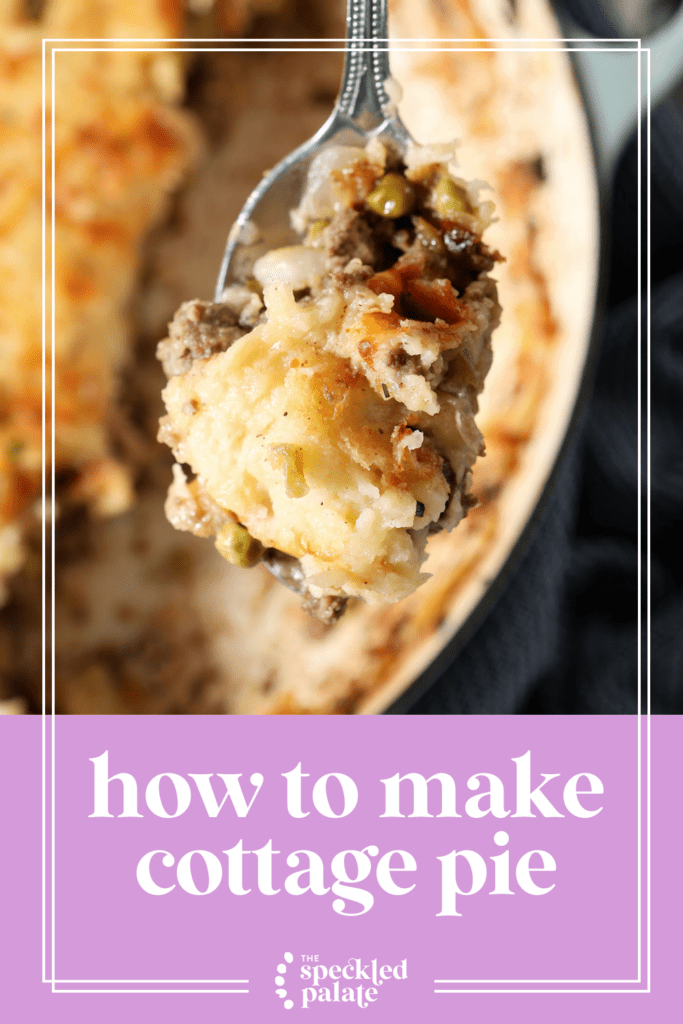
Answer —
616 45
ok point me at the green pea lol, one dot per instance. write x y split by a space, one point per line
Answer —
237 546
392 196
450 199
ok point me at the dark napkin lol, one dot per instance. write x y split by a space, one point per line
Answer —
562 638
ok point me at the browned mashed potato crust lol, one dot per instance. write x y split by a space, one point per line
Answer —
326 407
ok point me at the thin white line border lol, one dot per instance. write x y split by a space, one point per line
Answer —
616 45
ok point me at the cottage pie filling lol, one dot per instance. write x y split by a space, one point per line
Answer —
322 414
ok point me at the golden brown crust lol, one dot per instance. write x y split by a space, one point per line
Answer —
121 146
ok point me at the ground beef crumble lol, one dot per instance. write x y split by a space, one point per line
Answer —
198 330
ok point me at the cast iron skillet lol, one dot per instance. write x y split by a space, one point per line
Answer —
610 102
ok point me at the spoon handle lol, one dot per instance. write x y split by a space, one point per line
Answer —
366 66
363 110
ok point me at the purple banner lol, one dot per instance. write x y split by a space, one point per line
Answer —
404 866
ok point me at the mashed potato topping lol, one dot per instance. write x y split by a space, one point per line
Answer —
326 407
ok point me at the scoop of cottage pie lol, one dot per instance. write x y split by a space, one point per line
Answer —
326 407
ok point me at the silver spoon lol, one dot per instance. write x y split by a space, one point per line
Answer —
363 110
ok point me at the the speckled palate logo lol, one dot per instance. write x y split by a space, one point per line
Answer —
281 991
306 981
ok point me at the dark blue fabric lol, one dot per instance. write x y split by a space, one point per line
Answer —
562 639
